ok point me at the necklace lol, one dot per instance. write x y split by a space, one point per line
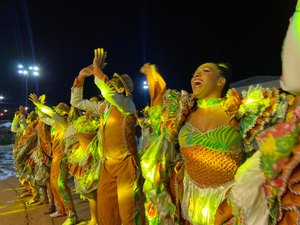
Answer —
210 103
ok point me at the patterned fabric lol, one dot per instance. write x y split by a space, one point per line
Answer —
160 153
82 159
261 108
210 158
30 159
176 106
211 161
277 160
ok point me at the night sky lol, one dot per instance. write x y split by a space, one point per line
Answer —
60 37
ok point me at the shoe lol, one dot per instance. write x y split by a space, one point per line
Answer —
32 201
57 214
49 210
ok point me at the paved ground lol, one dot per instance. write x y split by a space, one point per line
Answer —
13 208
14 211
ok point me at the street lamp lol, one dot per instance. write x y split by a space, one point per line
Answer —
27 71
2 97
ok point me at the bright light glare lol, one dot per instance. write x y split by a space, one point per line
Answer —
31 70
145 86
1 97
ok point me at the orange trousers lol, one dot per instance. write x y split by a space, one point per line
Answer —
115 194
54 175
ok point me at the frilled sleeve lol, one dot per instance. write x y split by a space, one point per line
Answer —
175 108
260 108
165 121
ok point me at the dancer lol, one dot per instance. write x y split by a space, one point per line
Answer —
25 159
266 186
83 161
212 127
57 119
118 186
19 123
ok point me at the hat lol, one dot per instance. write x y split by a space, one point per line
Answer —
126 83
62 107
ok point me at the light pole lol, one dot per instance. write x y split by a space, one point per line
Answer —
27 71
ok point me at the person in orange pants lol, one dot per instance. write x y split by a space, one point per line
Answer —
118 189
57 119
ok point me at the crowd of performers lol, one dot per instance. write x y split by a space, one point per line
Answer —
213 156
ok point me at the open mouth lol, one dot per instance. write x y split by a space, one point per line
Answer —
197 83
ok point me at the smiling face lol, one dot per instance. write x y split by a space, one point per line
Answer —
207 83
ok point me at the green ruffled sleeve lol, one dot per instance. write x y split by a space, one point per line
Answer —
168 117
161 151
261 108
155 118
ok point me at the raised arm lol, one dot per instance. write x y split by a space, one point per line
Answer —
99 63
77 92
43 108
123 102
156 84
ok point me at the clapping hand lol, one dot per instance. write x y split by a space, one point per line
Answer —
145 68
99 58
86 72
34 98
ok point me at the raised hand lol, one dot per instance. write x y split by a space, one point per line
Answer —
42 98
145 68
99 58
86 72
34 98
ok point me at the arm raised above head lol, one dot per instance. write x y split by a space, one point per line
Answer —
156 84
99 62
42 107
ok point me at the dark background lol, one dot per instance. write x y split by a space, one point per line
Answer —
60 37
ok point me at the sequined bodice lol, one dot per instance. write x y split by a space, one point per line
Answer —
212 157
